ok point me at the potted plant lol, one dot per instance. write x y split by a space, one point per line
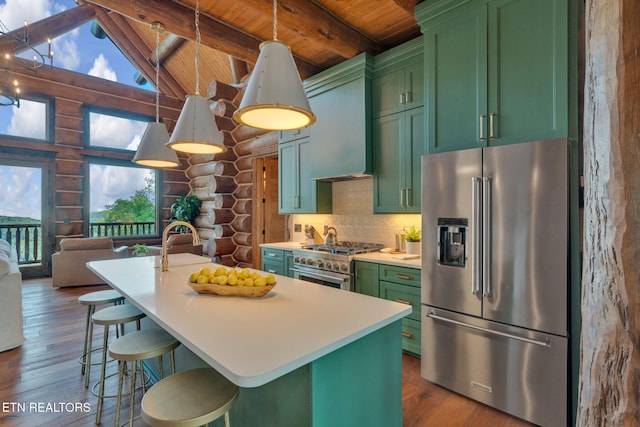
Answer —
186 208
413 236
140 250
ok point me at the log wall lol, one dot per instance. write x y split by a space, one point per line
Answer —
610 341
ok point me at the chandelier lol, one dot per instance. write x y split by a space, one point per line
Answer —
18 54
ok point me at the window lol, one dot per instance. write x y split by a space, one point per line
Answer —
117 131
122 200
31 120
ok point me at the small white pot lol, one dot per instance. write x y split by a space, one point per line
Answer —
413 248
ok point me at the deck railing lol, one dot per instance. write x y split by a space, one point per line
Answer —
122 229
26 238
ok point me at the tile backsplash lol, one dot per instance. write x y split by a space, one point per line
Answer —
353 217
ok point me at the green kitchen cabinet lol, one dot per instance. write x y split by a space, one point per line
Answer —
394 283
496 71
297 192
398 144
398 82
277 261
366 278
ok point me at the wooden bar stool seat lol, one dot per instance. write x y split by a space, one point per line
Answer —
136 347
91 300
118 316
189 399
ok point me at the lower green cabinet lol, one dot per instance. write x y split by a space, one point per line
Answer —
366 278
394 283
277 261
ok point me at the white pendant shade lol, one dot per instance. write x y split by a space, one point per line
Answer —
196 131
153 151
274 98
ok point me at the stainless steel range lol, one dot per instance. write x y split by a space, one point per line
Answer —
329 265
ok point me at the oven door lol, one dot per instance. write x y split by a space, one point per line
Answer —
326 278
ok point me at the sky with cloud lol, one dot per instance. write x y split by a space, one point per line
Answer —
78 51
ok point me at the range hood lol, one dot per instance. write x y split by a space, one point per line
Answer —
340 97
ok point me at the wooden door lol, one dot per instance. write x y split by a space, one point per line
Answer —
270 224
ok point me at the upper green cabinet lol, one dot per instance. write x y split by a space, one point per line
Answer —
399 90
496 71
398 144
297 192
398 79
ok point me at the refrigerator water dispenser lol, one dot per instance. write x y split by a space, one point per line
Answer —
452 241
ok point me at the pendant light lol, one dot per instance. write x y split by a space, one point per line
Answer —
196 131
153 150
274 98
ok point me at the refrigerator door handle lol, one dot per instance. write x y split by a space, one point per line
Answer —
545 343
475 235
486 237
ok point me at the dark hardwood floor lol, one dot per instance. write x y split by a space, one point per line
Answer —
41 385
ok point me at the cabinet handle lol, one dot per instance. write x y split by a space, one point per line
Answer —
402 197
408 98
271 271
491 133
271 254
407 191
403 276
482 117
403 301
403 98
406 334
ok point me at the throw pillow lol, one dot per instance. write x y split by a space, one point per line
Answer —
5 263
5 247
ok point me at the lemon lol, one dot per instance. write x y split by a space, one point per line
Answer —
232 280
202 279
248 281
232 272
270 279
193 277
245 273
222 280
260 281
213 280
240 282
254 276
205 271
221 271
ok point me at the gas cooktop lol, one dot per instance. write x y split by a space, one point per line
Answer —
347 248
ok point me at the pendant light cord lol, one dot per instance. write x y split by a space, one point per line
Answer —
275 19
197 60
157 76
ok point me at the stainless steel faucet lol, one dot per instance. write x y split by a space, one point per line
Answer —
165 234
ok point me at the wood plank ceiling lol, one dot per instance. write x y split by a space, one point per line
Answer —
321 33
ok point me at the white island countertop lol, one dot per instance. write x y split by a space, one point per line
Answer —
251 341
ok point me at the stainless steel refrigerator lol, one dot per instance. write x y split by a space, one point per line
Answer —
495 276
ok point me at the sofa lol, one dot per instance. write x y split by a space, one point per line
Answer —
69 267
10 298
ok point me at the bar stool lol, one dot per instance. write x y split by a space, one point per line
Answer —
118 315
91 300
189 399
136 347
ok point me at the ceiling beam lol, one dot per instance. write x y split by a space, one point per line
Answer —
47 28
179 19
317 25
408 5
136 50
168 46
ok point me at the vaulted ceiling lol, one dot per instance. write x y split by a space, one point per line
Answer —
321 33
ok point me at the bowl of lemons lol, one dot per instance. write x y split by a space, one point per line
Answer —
231 282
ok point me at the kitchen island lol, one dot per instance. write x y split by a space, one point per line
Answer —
303 355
